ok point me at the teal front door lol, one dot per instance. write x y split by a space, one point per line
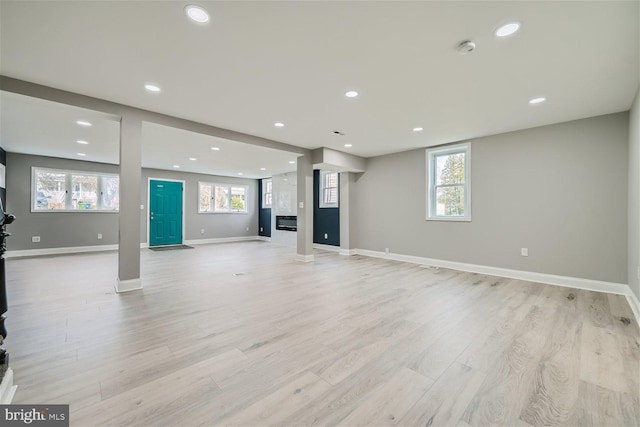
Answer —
165 213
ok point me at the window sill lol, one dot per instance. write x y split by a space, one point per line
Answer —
73 211
449 219
223 213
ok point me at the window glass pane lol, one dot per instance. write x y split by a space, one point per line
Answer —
222 199
329 189
238 203
267 193
84 192
450 201
50 190
204 204
450 169
110 193
331 180
331 195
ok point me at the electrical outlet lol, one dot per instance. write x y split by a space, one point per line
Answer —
141 207
99 236
386 251
261 229
326 236
524 251
247 229
35 239
202 231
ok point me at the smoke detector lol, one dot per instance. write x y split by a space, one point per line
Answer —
466 46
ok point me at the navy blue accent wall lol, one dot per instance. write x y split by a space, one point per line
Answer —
3 191
325 220
264 215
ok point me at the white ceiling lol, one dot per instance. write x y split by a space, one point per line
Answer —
259 62
34 126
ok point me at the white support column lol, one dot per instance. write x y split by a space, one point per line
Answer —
129 216
346 241
304 248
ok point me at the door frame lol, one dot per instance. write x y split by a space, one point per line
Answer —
184 190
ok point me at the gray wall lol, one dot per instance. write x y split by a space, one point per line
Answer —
559 190
70 229
215 225
56 229
634 196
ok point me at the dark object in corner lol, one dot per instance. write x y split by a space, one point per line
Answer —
5 219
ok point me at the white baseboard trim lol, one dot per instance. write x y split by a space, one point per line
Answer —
548 279
264 238
58 251
347 252
7 388
634 303
326 247
221 240
304 258
128 285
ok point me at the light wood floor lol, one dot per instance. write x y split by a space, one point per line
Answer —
340 341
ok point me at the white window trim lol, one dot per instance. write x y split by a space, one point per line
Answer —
69 190
228 185
431 175
321 188
262 204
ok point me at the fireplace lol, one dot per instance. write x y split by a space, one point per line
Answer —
287 223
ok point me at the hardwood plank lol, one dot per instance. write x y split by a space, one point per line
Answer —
275 407
510 380
601 359
553 398
387 404
201 346
445 403
599 406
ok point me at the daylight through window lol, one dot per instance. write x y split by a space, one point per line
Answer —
222 198
60 190
449 190
267 193
328 189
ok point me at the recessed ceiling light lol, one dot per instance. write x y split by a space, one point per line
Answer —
215 148
240 173
82 142
152 88
81 154
418 129
508 29
84 123
193 159
537 100
176 166
263 169
348 145
197 14
292 162
278 124
351 94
